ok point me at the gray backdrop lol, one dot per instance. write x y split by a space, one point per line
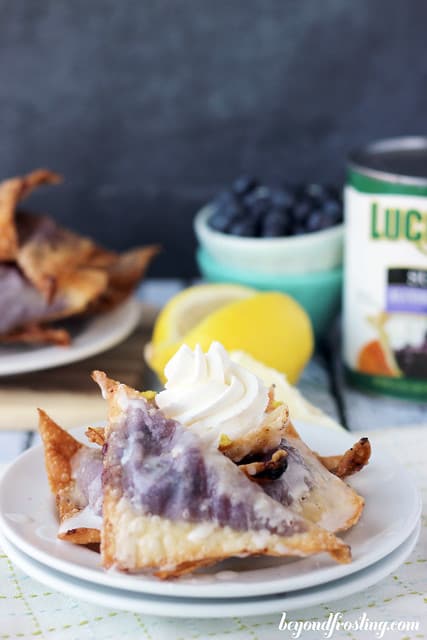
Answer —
148 108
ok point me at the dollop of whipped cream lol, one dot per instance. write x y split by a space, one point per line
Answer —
212 394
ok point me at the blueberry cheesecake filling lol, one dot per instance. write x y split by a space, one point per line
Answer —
295 482
86 492
20 302
86 466
164 469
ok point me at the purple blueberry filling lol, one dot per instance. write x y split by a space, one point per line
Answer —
163 469
294 482
88 476
20 302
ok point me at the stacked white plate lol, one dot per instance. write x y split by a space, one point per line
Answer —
380 542
90 336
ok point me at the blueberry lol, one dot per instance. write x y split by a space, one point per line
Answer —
255 219
282 198
225 212
276 214
332 206
316 191
274 224
233 210
244 228
219 221
334 193
243 185
316 221
333 211
258 201
302 210
274 230
298 230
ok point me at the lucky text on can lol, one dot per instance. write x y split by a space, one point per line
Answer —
385 281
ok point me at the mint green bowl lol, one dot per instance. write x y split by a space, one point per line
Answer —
318 292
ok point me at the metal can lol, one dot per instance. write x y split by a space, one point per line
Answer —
385 281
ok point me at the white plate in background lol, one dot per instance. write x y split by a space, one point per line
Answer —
90 336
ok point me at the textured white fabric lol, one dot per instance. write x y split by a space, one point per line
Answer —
30 610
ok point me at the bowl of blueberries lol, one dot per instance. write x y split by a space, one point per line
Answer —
273 229
279 238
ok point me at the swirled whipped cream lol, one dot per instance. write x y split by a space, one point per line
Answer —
212 394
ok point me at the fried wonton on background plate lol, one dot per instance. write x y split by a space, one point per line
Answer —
48 273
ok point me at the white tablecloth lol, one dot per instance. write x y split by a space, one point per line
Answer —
29 610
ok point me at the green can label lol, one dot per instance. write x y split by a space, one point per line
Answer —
385 289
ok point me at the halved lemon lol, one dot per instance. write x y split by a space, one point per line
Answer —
270 326
183 312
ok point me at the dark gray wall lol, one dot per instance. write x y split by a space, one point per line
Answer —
148 107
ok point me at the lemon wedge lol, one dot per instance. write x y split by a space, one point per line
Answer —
271 327
185 310
182 313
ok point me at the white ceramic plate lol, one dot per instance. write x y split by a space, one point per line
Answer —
393 506
211 608
90 336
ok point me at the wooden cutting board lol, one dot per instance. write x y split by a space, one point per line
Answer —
68 393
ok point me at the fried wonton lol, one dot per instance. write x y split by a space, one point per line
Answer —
264 438
290 472
48 252
24 310
12 191
351 462
266 467
173 503
309 489
48 272
275 457
37 333
96 435
74 474
123 273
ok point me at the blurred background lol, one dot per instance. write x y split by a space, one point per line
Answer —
148 109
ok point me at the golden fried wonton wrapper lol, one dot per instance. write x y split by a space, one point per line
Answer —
77 290
315 492
260 439
13 191
48 252
96 435
311 485
71 272
37 334
351 462
59 448
123 274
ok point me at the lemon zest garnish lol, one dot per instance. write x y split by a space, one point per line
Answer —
224 440
148 395
276 403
